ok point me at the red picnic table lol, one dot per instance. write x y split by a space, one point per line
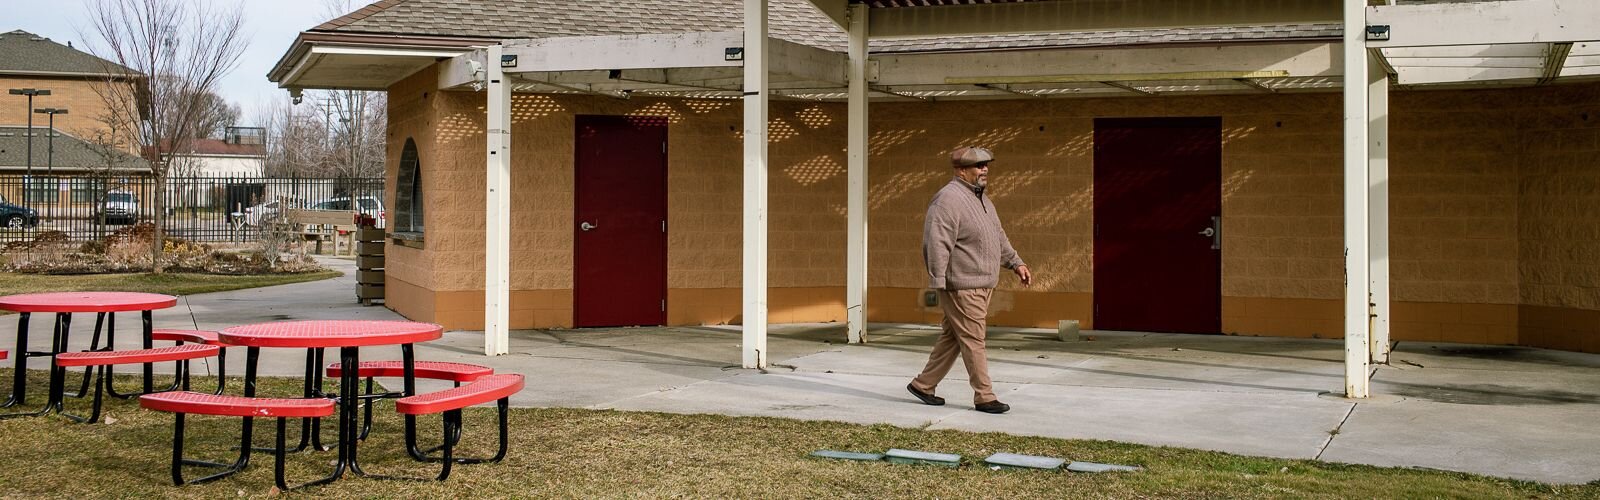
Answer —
105 305
349 336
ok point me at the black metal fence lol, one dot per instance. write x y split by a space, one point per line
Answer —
208 208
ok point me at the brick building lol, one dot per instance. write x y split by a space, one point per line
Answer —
29 61
1494 235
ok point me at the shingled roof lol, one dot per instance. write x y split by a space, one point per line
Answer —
792 20
71 153
24 53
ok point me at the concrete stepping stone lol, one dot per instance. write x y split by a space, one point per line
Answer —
1015 461
914 457
848 455
1096 467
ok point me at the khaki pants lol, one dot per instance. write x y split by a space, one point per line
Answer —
965 315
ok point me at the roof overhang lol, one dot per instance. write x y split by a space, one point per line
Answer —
702 65
925 18
321 60
1469 41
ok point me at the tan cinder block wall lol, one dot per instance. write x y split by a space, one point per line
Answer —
1559 136
704 217
408 277
86 111
1455 195
1453 224
1041 184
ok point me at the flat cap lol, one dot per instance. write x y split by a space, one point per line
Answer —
967 156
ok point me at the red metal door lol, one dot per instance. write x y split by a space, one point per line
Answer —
620 231
1157 195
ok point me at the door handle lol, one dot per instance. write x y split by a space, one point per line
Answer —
1214 232
587 226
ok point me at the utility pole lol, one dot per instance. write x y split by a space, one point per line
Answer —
29 176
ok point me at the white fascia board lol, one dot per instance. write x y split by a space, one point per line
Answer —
1580 71
1093 15
805 62
1501 50
1466 62
1582 61
1298 59
371 51
306 62
1484 23
680 50
1423 76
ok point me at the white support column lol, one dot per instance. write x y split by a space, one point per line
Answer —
755 183
856 244
497 205
1378 169
1357 313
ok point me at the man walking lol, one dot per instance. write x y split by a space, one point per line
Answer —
963 244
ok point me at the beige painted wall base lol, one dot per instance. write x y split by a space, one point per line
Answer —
1414 321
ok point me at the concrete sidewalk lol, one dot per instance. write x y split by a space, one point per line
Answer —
1500 411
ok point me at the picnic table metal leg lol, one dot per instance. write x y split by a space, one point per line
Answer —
149 331
19 380
349 398
94 345
278 463
311 391
111 345
227 469
19 390
315 377
408 357
58 375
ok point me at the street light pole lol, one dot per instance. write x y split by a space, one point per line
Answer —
50 137
30 93
50 155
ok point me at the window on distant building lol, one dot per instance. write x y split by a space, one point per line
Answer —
408 191
87 189
42 189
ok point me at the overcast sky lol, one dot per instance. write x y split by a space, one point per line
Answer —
270 25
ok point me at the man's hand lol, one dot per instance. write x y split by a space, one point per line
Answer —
1022 272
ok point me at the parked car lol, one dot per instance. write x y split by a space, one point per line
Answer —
369 205
268 211
120 207
14 216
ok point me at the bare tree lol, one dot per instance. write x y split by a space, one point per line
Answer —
358 131
297 142
217 115
184 48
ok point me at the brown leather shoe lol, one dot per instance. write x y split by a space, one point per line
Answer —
995 407
927 398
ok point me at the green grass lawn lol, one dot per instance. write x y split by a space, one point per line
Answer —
588 453
167 283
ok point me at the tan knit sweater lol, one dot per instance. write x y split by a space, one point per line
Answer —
962 241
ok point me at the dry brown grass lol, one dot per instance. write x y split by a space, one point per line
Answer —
586 453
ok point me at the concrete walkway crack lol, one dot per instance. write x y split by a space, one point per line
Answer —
1335 432
187 307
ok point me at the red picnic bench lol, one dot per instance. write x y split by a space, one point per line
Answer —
97 361
497 388
188 402
449 402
